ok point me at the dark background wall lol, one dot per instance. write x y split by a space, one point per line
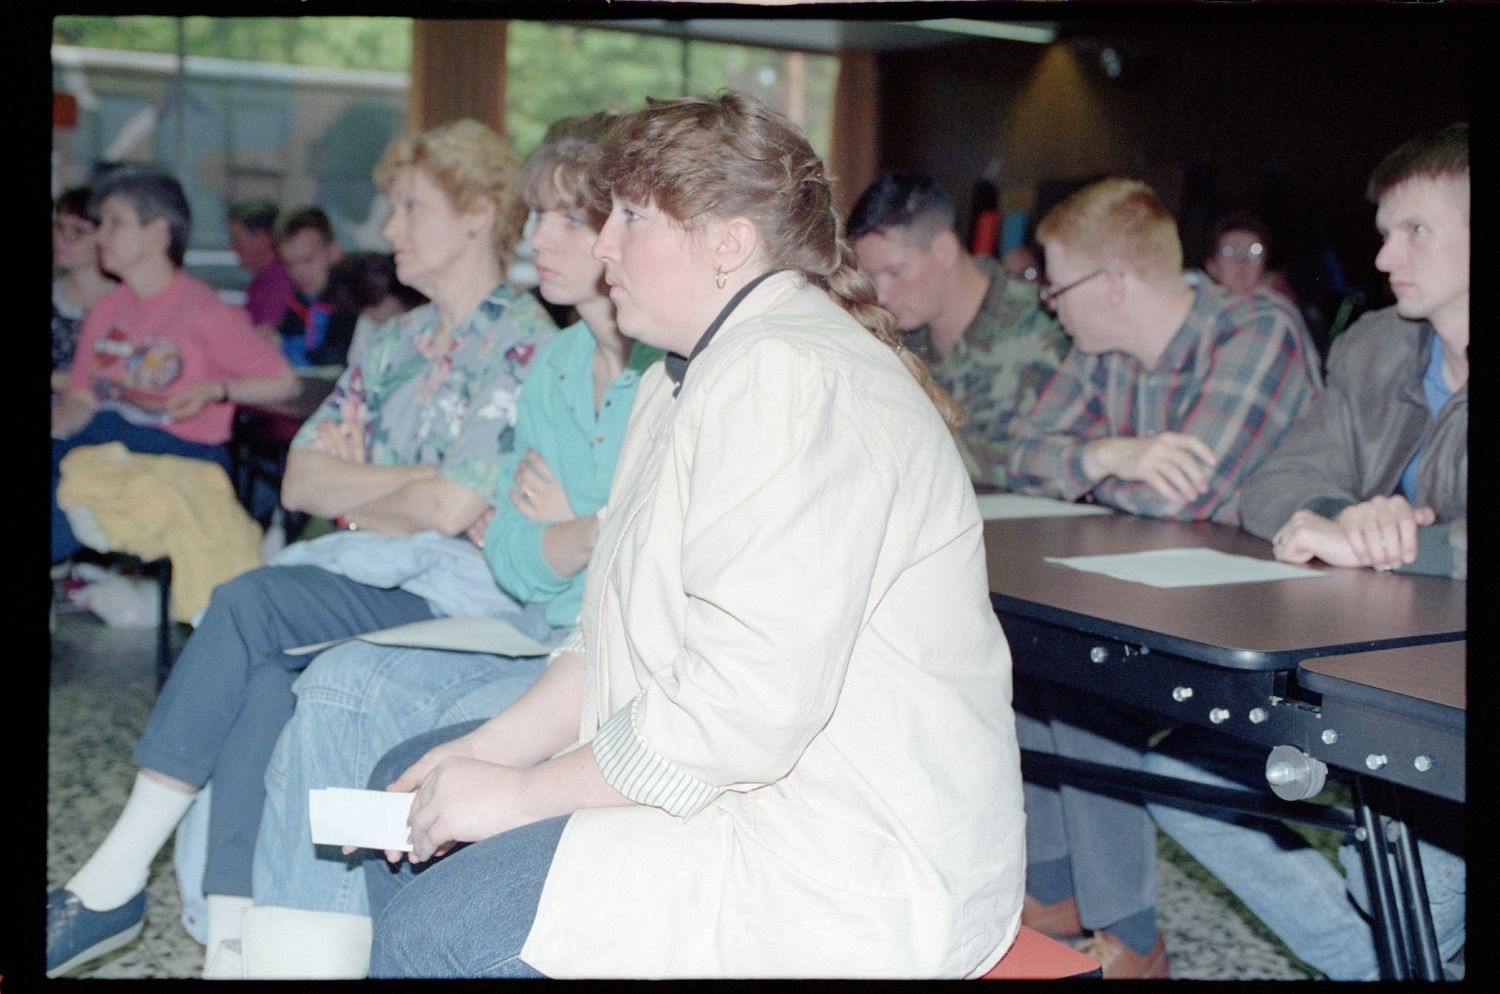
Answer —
1281 111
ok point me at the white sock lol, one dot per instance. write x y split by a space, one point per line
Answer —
223 920
119 867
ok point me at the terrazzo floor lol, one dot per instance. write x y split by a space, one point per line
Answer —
107 674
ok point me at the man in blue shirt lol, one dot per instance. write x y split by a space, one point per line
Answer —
311 331
1375 475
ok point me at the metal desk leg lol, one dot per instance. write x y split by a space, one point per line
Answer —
1427 960
1389 942
1405 936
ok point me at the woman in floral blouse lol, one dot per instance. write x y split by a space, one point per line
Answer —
406 454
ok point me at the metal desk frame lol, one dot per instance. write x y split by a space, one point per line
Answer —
1188 665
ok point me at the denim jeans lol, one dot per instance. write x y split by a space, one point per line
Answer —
1110 843
1297 892
468 913
229 693
354 703
107 426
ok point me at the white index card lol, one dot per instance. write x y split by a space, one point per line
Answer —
368 819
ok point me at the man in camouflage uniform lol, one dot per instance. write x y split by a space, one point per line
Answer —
982 332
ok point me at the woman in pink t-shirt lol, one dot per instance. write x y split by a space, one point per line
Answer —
161 360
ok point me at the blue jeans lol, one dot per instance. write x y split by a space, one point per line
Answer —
467 914
107 426
230 692
1110 843
1312 906
354 703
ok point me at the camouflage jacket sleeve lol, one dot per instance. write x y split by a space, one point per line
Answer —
999 368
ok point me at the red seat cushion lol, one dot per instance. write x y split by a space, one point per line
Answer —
1034 956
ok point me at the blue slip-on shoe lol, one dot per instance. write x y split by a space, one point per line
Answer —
76 935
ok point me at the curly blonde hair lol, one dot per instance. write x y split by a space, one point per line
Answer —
732 155
469 162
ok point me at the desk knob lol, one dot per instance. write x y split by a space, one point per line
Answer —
1422 763
1294 775
1098 654
1375 760
1180 694
1218 716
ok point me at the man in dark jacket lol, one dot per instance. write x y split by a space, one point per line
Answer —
311 331
1376 474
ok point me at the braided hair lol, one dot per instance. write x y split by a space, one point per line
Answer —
732 155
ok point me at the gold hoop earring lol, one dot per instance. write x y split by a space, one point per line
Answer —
720 277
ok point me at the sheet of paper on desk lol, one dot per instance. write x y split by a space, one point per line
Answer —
491 635
1186 567
995 507
369 819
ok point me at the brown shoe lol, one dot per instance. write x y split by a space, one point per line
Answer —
1119 962
1060 920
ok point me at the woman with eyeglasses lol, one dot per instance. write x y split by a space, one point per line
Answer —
1240 254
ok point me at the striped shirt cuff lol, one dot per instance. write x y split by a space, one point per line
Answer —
572 642
634 769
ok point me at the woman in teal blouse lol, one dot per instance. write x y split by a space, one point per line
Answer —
358 700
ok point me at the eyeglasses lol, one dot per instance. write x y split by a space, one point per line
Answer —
1050 293
1253 251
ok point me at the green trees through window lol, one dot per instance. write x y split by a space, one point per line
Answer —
297 110
554 70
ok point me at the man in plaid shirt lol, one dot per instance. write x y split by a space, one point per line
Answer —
1171 393
1169 397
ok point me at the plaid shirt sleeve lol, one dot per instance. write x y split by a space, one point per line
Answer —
1046 446
1258 378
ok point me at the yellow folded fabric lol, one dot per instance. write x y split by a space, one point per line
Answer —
154 506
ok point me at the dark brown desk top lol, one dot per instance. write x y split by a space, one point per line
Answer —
1431 673
1269 625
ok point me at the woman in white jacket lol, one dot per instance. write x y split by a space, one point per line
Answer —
781 742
